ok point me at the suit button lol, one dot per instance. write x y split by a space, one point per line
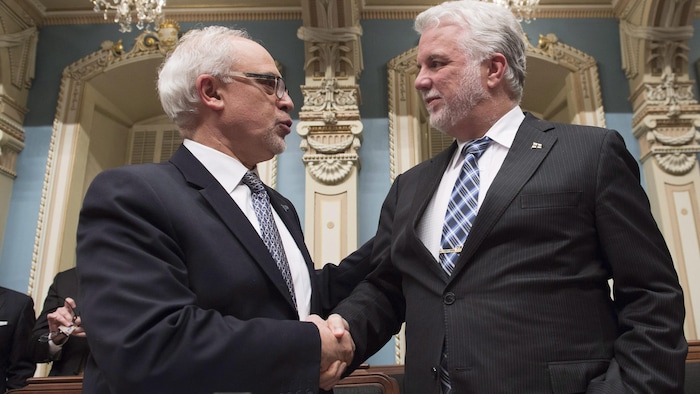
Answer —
435 373
449 298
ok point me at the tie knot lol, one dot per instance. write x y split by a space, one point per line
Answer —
253 182
477 147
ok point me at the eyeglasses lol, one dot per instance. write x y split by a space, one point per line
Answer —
272 83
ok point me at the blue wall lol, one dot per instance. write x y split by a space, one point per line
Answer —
60 46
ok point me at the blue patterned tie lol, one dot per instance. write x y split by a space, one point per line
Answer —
270 234
462 208
461 211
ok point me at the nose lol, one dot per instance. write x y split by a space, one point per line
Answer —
422 82
285 103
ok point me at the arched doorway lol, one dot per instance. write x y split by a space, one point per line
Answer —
102 97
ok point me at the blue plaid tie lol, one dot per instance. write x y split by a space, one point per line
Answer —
461 211
270 234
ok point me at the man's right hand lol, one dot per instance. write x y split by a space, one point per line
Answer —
64 317
337 348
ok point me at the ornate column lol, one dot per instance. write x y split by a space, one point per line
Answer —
654 37
330 126
18 39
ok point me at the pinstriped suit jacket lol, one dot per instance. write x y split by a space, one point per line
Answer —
528 307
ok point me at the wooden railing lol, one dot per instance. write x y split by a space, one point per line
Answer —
52 385
384 378
693 351
364 377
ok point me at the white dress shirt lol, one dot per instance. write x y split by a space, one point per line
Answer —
502 134
229 172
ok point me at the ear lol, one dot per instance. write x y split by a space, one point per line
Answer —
496 70
208 90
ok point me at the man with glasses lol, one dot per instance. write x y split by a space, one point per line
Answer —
271 83
194 275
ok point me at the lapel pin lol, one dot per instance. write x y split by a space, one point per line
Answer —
536 145
285 207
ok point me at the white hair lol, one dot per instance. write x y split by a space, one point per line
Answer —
488 29
209 50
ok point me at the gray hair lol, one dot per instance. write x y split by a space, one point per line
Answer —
488 28
209 50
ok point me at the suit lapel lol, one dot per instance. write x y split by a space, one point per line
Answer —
231 215
531 145
288 216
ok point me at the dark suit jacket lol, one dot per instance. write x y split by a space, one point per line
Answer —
528 308
180 295
74 353
16 323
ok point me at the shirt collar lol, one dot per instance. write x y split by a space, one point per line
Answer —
227 170
504 130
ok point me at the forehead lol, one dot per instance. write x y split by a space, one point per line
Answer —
254 57
442 41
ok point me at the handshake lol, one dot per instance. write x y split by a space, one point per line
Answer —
337 348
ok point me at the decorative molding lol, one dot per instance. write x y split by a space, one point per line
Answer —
330 124
329 97
676 161
227 14
38 252
11 128
389 13
330 127
564 55
330 149
543 12
655 42
330 170
574 12
655 59
66 126
209 15
20 48
673 142
18 42
680 140
404 114
670 93
331 35
10 146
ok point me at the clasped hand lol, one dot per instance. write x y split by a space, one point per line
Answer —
337 348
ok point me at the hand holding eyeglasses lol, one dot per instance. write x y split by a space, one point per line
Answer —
63 323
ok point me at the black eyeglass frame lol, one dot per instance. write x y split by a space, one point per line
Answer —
280 86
